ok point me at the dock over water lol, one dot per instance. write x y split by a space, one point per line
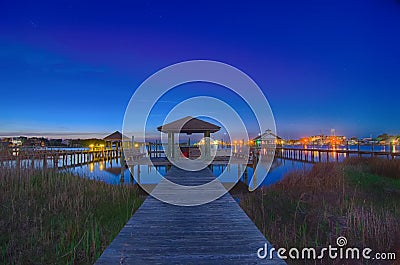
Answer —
218 232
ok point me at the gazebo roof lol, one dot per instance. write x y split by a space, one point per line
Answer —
268 133
115 136
189 125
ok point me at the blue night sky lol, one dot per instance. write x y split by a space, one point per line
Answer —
70 68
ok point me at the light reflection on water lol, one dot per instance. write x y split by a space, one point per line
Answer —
110 172
279 168
364 147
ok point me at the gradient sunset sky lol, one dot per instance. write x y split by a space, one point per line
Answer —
70 68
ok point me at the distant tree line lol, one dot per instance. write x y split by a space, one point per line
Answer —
41 141
386 137
86 142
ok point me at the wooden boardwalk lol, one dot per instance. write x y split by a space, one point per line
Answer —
58 158
315 155
218 232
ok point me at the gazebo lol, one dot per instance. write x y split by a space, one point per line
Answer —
188 125
268 138
117 138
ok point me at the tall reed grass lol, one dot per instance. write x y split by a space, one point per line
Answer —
358 199
389 168
50 217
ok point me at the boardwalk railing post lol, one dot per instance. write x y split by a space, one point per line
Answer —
132 172
122 166
373 148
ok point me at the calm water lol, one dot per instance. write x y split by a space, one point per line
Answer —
279 168
110 172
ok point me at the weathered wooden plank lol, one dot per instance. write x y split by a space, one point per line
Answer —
218 232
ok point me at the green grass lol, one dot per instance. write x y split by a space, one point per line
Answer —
358 199
50 217
372 182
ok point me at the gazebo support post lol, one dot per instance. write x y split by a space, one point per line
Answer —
207 143
171 147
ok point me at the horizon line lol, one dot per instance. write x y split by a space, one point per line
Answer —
83 135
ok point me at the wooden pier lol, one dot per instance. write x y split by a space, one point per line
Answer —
58 159
218 232
314 155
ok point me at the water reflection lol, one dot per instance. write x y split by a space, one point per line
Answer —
279 168
111 172
363 147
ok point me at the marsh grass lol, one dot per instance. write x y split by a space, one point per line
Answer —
358 199
389 168
50 217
